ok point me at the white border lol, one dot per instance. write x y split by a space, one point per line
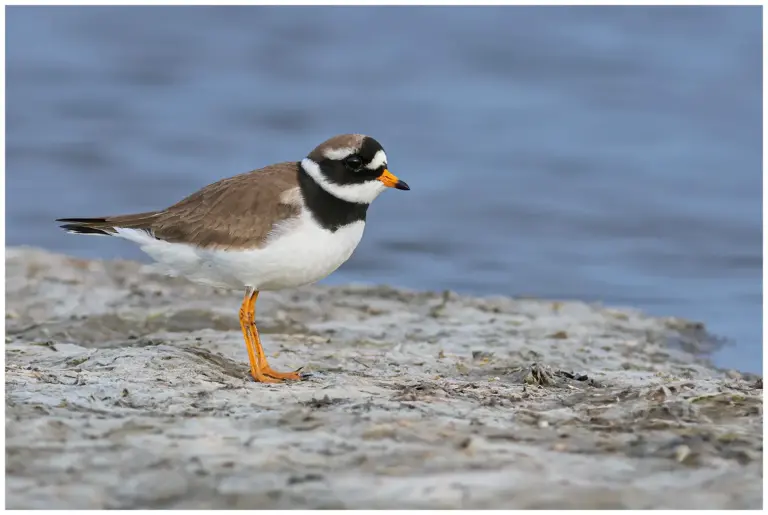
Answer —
391 2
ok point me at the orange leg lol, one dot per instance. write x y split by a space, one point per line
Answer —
261 358
245 325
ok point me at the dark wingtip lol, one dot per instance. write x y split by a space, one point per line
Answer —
83 229
81 220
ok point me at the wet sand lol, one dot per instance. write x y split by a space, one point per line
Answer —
128 389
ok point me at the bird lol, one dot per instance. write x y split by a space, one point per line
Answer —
281 226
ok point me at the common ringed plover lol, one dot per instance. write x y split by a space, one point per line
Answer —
282 226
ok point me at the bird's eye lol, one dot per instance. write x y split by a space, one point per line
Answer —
354 162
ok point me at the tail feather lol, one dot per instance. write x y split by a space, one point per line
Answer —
107 226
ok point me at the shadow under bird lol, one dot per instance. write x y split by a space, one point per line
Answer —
282 226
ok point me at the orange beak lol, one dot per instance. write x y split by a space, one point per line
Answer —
391 181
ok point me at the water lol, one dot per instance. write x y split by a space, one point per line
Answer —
609 154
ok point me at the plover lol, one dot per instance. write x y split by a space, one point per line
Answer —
282 226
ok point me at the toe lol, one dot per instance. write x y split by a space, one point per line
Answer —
290 376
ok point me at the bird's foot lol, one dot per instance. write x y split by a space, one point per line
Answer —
296 375
261 377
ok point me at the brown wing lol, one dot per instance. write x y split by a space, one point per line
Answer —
237 212
232 213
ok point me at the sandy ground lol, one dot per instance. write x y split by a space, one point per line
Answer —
127 389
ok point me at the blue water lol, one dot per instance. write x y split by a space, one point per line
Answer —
599 153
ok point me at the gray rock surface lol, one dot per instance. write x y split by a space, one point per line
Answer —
128 389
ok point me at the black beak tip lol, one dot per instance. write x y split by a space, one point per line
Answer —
402 185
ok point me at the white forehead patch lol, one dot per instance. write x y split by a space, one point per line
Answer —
360 193
337 154
378 161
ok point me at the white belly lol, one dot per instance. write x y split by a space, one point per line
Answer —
300 253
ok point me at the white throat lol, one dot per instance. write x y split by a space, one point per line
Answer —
361 193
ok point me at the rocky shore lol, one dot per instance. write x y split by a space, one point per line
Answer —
128 389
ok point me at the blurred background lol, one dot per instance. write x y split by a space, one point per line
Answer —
607 154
